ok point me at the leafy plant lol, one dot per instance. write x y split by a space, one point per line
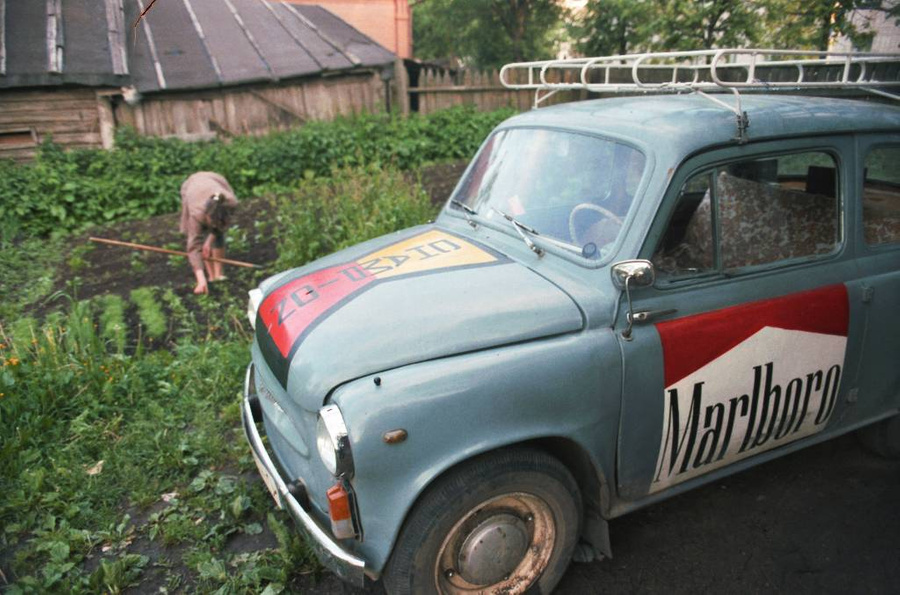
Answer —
65 190
324 215
150 312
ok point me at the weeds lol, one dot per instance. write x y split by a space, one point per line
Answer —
150 312
327 214
112 321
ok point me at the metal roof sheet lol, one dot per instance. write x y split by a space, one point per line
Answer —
180 44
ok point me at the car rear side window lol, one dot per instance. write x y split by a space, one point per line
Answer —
753 212
881 196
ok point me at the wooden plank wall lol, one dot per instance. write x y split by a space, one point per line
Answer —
69 115
440 89
252 110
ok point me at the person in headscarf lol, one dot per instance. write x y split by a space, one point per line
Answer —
207 205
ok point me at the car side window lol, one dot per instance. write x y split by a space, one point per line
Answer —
753 212
881 196
687 248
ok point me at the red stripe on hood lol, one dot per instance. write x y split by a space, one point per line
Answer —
691 342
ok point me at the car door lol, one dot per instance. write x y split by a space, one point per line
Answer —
750 333
878 235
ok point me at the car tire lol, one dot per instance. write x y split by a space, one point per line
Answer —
883 438
503 522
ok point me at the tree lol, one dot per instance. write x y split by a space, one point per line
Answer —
620 26
613 27
814 24
486 33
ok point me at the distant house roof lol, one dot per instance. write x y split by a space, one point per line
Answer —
180 44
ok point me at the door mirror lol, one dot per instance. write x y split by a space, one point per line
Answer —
638 273
628 274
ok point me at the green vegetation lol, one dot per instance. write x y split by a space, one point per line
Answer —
150 312
487 33
112 321
627 26
122 461
327 214
68 190
27 270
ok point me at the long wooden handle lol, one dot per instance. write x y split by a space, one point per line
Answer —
134 246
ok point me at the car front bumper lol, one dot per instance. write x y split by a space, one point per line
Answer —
334 557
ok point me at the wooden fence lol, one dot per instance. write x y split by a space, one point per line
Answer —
442 89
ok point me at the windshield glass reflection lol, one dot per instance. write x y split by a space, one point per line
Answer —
572 188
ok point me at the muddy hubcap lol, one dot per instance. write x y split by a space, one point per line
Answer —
501 546
493 549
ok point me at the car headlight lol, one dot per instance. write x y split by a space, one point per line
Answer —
333 442
256 296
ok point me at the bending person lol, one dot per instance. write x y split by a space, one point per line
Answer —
207 204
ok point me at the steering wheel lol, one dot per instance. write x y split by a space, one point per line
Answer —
607 215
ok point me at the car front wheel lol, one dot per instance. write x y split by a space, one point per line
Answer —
500 523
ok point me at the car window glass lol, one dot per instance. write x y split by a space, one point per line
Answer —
777 209
574 188
765 211
881 196
687 246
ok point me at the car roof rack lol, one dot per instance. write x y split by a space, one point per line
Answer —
701 71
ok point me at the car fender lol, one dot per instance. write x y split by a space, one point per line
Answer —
564 389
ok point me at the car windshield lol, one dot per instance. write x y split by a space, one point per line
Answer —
570 188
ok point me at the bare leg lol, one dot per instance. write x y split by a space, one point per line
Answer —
217 266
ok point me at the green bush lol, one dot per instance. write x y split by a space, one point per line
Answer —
352 205
64 190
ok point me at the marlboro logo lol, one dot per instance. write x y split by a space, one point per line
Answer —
767 374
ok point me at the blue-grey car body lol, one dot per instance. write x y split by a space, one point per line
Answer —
473 359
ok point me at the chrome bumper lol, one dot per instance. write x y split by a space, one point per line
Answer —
331 554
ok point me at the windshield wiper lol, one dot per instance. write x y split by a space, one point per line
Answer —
520 228
467 210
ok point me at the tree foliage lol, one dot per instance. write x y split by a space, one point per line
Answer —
486 33
622 26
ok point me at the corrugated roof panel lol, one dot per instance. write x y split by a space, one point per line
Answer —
140 59
327 55
26 47
348 39
181 53
86 38
285 56
238 59
180 44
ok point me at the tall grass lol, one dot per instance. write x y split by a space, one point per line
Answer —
324 215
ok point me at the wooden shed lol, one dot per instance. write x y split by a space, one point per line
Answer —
193 69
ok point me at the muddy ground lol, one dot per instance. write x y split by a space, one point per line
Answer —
822 520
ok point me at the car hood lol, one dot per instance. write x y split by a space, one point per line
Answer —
409 297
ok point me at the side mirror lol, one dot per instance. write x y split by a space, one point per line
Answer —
633 273
628 274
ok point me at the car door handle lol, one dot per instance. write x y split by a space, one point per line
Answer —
648 315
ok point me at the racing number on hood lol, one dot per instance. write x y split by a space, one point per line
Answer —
292 310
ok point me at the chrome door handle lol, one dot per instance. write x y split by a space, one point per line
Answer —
648 315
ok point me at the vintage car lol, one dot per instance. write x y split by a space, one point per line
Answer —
624 298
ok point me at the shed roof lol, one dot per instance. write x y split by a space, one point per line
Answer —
180 44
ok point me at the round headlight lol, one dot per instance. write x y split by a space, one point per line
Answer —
333 442
326 448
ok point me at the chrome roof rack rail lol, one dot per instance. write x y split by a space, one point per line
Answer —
702 71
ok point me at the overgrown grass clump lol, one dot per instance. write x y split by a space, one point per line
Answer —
324 215
64 190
